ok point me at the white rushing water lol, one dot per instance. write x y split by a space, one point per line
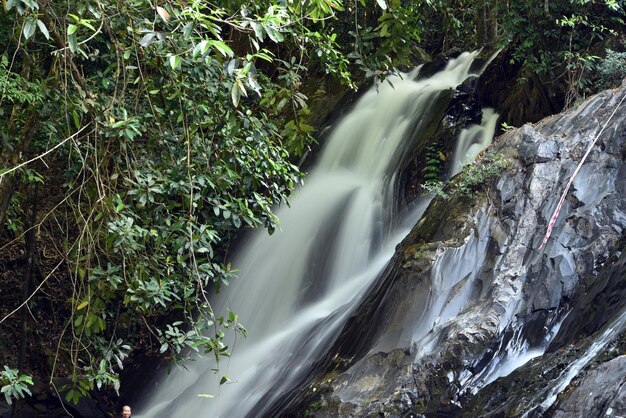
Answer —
297 287
512 354
473 140
573 369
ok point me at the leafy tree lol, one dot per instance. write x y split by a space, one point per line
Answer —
559 40
165 129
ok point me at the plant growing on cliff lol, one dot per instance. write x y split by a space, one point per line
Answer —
14 384
611 69
477 175
471 180
433 170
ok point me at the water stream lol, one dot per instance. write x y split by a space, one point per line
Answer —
572 370
473 140
297 287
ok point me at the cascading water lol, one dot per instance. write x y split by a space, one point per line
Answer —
298 286
512 353
572 370
473 140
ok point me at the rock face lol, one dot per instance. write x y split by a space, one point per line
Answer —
602 392
588 333
469 296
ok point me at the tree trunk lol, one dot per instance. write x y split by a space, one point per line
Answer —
30 241
9 182
30 244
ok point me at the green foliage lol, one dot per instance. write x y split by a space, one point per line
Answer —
177 125
433 165
384 37
476 176
557 40
472 179
433 170
434 187
101 374
554 41
15 89
611 69
506 127
13 219
14 384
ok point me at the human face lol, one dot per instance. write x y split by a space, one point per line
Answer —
126 412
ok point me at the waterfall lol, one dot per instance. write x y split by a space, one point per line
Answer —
511 354
298 286
473 140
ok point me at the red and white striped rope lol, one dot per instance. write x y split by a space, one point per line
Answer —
555 215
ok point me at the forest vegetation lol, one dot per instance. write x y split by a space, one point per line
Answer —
139 138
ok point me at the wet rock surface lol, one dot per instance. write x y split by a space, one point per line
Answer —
470 297
602 392
597 303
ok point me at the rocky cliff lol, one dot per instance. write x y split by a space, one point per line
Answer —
472 317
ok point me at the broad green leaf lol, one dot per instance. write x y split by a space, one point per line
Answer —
246 68
175 61
200 48
29 28
230 68
73 42
147 39
235 94
384 29
241 87
76 119
223 48
71 29
87 24
9 4
43 29
264 56
274 35
188 29
258 30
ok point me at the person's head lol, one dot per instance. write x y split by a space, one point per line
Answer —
126 411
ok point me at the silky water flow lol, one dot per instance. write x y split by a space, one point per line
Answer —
297 287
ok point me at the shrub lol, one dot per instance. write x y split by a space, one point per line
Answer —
611 69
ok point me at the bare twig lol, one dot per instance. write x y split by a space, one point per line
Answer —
17 167
33 293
